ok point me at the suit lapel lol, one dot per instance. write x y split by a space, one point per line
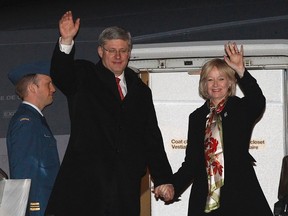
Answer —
107 78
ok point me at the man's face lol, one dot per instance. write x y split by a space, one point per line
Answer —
44 91
115 55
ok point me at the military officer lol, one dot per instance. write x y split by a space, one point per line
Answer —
32 149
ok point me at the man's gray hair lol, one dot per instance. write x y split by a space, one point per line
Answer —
113 33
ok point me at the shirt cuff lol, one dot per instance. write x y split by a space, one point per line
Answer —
65 48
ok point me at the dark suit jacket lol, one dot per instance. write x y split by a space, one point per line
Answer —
32 153
112 142
241 193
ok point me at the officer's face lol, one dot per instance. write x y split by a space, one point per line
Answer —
44 91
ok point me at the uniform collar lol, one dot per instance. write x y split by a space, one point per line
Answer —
35 107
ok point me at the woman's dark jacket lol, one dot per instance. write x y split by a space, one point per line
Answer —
241 193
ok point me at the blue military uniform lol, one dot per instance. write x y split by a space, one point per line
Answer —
33 154
32 148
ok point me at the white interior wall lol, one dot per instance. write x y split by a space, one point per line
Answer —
176 96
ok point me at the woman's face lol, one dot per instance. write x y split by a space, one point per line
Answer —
217 85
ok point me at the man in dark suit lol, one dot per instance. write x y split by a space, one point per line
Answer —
32 149
114 130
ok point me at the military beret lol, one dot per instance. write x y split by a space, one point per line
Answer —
41 67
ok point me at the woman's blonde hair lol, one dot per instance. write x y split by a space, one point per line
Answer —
224 68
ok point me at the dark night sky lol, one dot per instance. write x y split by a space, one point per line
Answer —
158 21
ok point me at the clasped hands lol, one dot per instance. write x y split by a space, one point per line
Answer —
164 192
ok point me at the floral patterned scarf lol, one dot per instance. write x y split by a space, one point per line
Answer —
213 144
